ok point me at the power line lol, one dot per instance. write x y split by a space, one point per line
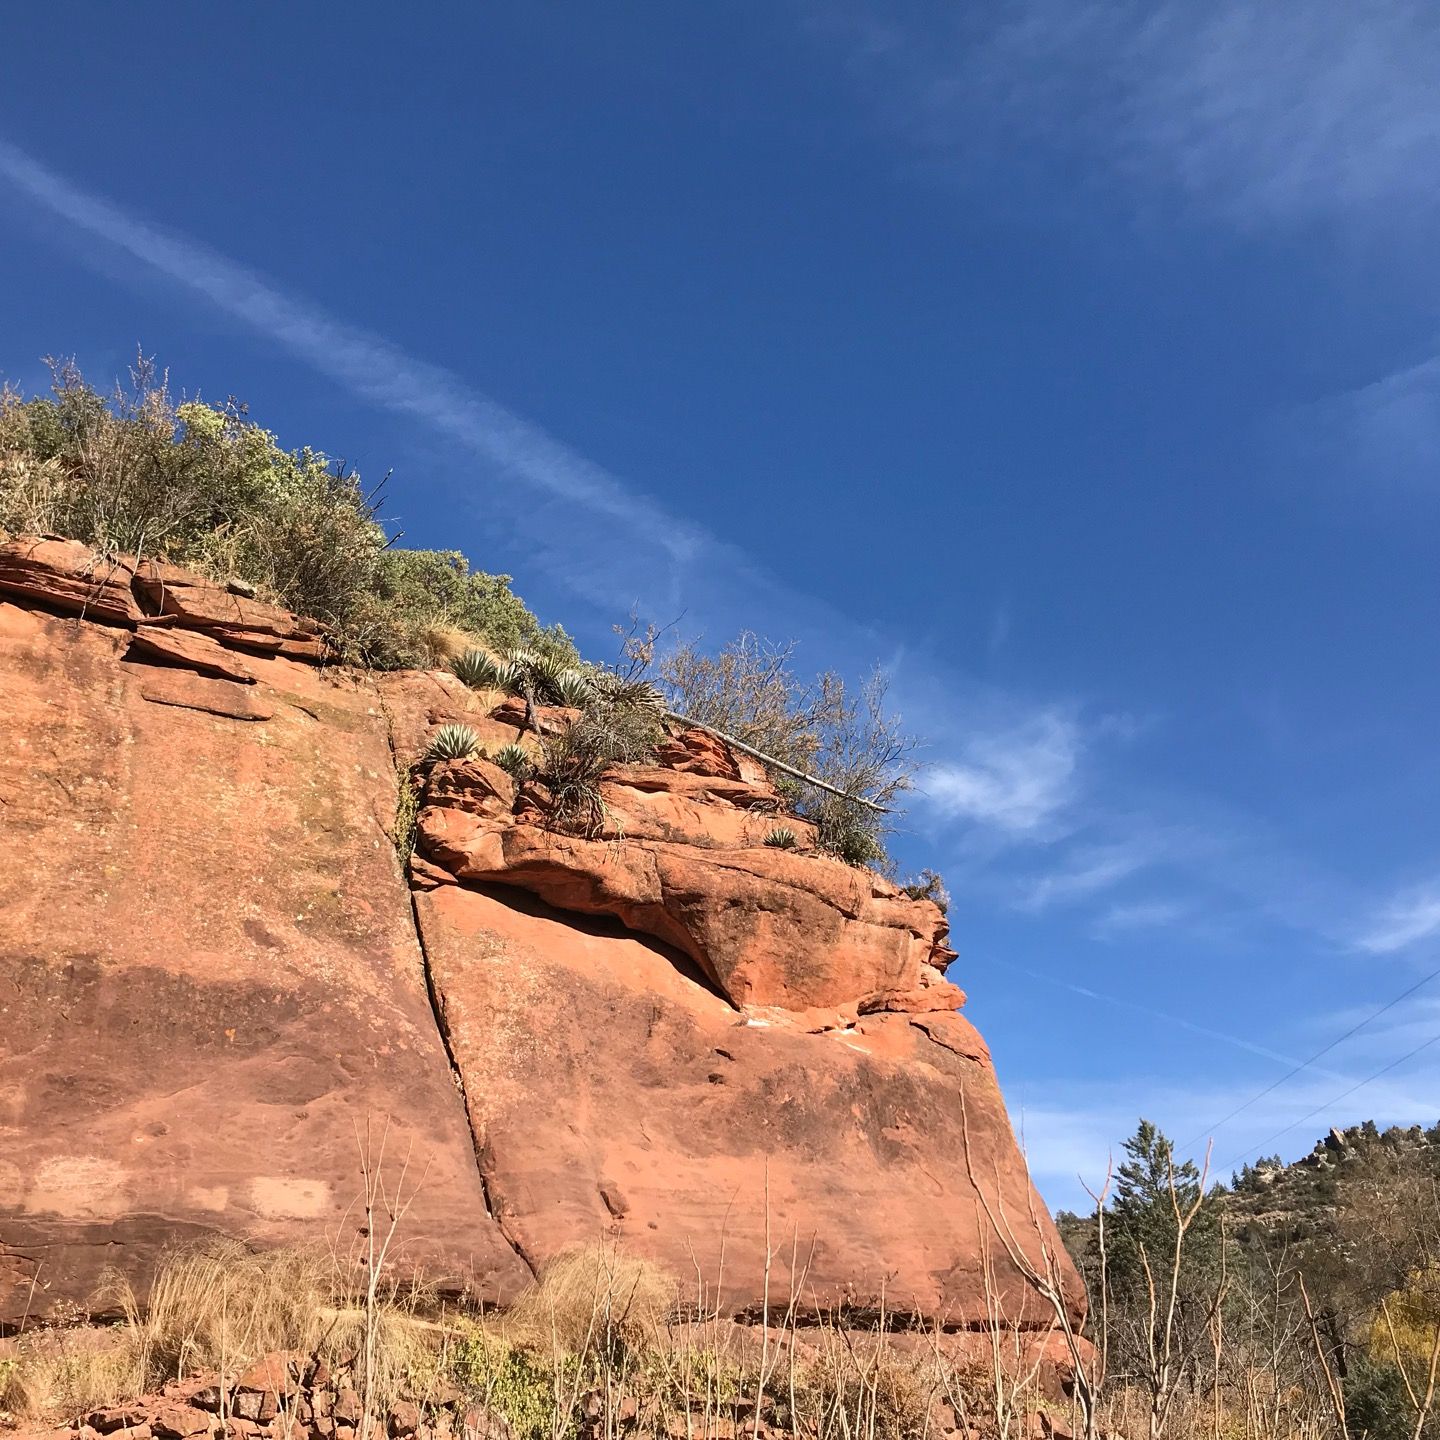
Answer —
1210 1130
1360 1085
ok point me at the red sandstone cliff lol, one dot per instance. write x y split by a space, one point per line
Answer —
213 977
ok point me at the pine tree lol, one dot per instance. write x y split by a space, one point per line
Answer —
1141 1229
1143 1214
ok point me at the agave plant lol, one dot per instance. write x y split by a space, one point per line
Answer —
548 680
509 677
629 694
477 670
520 671
782 837
453 742
547 675
572 688
514 760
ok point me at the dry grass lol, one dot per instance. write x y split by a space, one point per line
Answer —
595 1298
439 644
50 1376
596 1340
864 1388
218 1309
223 1306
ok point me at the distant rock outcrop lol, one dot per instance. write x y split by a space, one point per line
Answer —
667 1032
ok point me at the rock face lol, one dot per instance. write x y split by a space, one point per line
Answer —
667 1032
212 984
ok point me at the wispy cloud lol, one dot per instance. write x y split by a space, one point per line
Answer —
366 365
1011 777
1141 915
1247 115
1017 780
1151 1012
1087 871
1384 433
1406 919
1261 113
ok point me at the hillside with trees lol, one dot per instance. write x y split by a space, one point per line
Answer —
1296 1295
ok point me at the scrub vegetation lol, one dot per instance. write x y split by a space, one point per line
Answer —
1297 1303
137 472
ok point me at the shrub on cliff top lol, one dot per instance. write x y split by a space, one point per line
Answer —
205 487
843 735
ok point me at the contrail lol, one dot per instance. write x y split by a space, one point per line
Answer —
364 363
1238 1042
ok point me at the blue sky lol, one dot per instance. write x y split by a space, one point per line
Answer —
1078 362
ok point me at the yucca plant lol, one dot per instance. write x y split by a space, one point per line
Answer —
514 760
782 837
477 670
453 742
573 762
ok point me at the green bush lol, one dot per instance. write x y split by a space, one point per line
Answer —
782 837
508 1381
424 589
1376 1404
205 487
848 831
407 820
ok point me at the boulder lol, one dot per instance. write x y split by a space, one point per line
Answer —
191 691
189 649
941 995
645 802
235 619
547 719
477 786
695 751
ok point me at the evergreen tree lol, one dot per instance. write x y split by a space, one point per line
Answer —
1149 1188
1154 1195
